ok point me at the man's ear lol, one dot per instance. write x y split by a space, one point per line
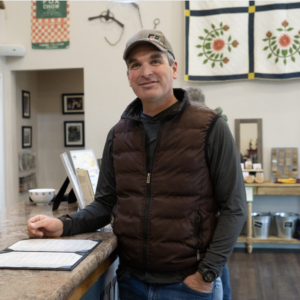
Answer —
175 70
127 72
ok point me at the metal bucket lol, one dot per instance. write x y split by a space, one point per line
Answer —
286 224
261 225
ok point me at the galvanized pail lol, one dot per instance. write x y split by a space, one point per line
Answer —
261 225
286 224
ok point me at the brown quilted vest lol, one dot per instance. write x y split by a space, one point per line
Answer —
164 225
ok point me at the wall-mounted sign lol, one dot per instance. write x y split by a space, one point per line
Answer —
50 24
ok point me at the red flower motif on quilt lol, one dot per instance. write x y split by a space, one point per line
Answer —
225 60
235 44
269 34
284 40
218 44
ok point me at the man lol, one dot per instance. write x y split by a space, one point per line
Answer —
168 170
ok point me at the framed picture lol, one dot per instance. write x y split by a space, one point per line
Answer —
74 133
26 104
72 104
26 136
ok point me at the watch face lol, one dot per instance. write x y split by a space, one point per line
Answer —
210 276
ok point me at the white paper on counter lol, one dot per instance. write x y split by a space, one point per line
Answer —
38 259
53 245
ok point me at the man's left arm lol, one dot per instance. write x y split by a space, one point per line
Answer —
229 192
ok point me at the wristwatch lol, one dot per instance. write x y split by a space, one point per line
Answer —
208 275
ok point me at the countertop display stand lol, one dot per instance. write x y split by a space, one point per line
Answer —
267 188
60 195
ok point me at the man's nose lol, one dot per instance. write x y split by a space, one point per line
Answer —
146 71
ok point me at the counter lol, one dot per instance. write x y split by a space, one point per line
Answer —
52 285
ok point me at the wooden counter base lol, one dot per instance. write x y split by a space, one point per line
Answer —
86 284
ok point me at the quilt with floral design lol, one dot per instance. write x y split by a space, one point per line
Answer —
234 40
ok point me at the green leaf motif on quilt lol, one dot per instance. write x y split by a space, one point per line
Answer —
284 45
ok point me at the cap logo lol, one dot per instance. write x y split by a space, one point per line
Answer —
153 37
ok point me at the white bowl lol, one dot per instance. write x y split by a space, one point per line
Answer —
42 196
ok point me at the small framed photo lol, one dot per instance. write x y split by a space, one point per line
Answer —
74 133
72 104
26 104
26 136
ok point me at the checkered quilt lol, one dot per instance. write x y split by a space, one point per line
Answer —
234 40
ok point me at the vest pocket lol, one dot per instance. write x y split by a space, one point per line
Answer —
197 232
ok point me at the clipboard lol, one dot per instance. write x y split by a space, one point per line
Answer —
9 254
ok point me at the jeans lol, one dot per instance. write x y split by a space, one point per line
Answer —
218 293
226 284
131 288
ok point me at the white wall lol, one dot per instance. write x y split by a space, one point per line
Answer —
26 81
2 70
2 25
105 84
51 86
2 170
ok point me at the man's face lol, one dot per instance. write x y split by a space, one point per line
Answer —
149 73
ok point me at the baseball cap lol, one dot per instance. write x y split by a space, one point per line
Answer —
155 37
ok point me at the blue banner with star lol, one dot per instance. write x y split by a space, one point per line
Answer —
236 40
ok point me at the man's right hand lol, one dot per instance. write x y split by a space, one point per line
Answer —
44 226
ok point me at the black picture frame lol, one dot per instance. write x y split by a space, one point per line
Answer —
26 105
26 137
73 104
74 133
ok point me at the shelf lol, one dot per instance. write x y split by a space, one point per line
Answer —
273 239
242 239
271 188
268 188
252 170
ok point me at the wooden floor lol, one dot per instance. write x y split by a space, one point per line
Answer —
265 275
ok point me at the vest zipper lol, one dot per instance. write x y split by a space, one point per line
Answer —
148 178
148 199
197 232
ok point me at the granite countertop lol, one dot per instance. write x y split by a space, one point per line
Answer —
52 285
